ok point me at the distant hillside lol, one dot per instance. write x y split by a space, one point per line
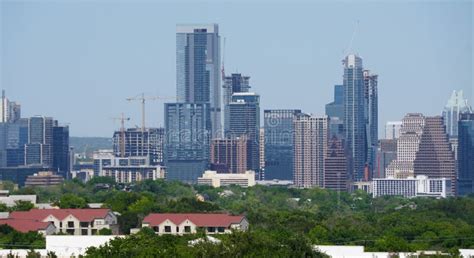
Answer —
90 144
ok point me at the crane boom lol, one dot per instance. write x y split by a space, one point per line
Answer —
142 98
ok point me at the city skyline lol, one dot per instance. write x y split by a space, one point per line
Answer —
98 80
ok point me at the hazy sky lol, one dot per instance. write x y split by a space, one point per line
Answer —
79 60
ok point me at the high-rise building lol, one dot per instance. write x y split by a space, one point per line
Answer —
434 157
456 105
229 155
311 146
336 108
197 68
10 111
139 143
234 83
392 129
354 116
371 112
407 146
244 120
261 145
187 143
39 150
466 154
60 149
279 143
335 166
386 153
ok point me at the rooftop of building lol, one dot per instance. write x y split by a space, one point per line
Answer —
199 219
25 225
81 214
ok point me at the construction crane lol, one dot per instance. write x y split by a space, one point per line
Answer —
122 120
142 98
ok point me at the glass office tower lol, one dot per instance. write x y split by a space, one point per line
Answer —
279 143
354 116
197 68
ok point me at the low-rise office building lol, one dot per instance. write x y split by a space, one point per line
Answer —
188 223
419 186
44 178
215 179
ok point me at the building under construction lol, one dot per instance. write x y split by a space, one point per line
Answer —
135 142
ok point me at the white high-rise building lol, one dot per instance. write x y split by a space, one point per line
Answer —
310 151
407 146
392 130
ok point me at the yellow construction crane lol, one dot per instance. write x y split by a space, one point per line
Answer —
142 98
122 120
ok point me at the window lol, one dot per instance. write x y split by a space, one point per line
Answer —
187 229
220 229
168 229
60 224
70 224
211 229
177 229
84 224
84 232
156 228
70 231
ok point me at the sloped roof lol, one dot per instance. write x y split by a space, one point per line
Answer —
85 215
25 225
199 219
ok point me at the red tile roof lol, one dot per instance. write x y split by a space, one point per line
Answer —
83 215
199 219
24 225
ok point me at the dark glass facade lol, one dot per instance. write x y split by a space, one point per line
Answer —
354 117
279 143
244 121
187 143
466 154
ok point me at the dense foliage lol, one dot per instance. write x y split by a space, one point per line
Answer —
317 216
12 239
239 244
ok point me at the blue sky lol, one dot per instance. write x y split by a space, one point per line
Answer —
79 60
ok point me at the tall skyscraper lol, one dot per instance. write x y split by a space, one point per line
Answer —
229 155
279 143
60 150
466 154
138 143
244 120
371 112
10 111
188 129
311 146
407 146
234 83
435 157
392 130
197 68
456 106
335 166
354 116
39 150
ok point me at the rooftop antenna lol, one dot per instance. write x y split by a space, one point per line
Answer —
349 48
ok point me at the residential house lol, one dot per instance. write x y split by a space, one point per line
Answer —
72 221
25 226
185 223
